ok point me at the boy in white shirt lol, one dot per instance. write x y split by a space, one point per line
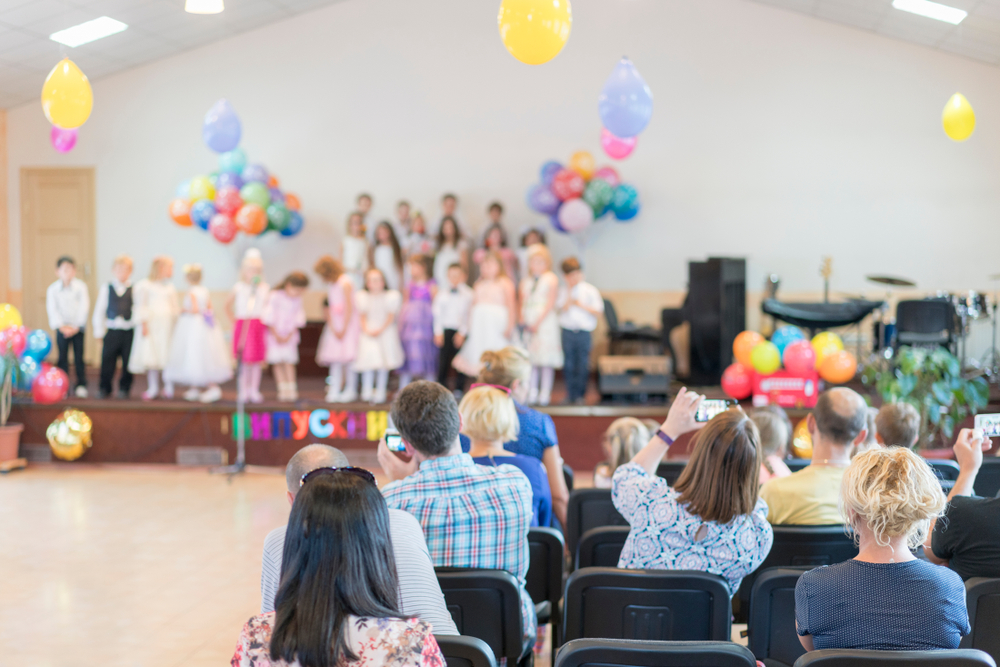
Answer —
580 305
451 321
68 304
114 322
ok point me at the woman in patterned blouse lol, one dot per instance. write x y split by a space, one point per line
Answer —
338 599
713 519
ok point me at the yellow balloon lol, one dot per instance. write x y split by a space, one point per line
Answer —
535 31
66 96
9 316
958 118
802 444
201 188
826 343
582 163
69 435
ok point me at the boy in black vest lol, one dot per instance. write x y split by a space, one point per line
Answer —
114 321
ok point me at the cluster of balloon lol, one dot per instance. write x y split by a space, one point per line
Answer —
824 354
26 351
534 31
625 106
239 197
958 118
67 101
575 196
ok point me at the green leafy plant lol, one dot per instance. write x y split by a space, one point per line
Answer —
8 362
931 381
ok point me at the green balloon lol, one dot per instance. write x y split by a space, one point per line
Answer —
598 196
278 216
255 193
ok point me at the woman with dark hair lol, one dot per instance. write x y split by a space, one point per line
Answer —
338 599
713 518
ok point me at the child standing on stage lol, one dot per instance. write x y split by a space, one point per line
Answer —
245 305
379 350
198 353
494 313
338 344
580 304
528 239
387 256
495 240
284 316
416 323
451 322
156 310
541 334
67 303
451 249
114 322
354 250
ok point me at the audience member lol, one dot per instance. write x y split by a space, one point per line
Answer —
897 425
713 519
871 438
967 538
775 429
489 420
621 442
580 304
419 591
338 600
810 496
473 516
885 598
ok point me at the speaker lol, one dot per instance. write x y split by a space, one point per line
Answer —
716 309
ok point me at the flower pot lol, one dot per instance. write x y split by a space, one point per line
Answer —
10 438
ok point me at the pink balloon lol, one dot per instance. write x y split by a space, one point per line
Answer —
222 228
575 215
62 140
799 357
227 200
616 147
610 175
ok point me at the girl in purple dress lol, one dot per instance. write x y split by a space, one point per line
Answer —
416 323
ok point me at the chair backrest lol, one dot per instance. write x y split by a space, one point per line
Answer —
666 605
982 596
944 469
611 315
637 653
925 316
589 508
568 476
988 479
851 658
796 465
463 651
601 547
485 604
670 470
545 567
771 626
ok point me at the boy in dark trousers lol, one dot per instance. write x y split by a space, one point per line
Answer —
67 303
114 322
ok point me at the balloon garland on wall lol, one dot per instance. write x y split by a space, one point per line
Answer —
625 107
239 197
67 101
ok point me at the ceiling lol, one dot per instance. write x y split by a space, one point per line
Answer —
977 37
156 29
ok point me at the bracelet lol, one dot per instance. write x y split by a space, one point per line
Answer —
664 437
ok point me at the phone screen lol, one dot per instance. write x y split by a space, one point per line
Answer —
989 425
394 441
711 407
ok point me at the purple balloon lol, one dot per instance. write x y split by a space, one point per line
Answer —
541 199
549 171
277 195
254 172
221 130
626 103
554 219
227 179
63 140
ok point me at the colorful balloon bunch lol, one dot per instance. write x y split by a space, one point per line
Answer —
575 196
625 106
239 197
26 350
67 101
825 354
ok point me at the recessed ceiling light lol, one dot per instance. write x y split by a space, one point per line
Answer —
203 6
932 10
88 32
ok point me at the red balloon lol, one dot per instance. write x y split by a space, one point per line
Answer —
737 381
50 386
16 337
800 357
228 200
222 228
568 184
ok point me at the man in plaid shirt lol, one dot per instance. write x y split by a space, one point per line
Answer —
473 516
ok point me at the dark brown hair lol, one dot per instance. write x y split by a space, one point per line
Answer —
441 239
570 264
397 253
720 480
294 279
329 268
495 206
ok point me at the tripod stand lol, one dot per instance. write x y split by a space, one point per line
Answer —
990 364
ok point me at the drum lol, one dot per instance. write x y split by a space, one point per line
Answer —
975 304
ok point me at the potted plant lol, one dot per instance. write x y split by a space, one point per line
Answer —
10 434
931 381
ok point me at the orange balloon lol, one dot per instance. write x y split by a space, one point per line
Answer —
272 181
180 212
251 219
292 202
839 367
744 343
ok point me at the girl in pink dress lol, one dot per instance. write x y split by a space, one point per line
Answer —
284 316
245 306
338 344
416 323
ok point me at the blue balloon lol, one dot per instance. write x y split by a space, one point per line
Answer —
785 336
254 172
625 203
295 223
626 103
233 162
541 200
228 179
27 370
39 345
201 212
221 130
184 189
549 171
277 195
554 219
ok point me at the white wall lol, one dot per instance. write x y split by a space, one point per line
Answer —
775 136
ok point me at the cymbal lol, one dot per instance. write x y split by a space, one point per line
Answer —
890 280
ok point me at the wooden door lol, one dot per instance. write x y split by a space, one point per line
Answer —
57 218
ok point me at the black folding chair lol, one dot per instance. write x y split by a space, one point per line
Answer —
545 576
601 547
988 479
925 322
771 627
796 465
982 596
462 651
485 604
568 476
670 470
619 332
944 469
851 658
589 508
636 653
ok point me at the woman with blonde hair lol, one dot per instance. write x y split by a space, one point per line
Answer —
622 441
885 598
489 419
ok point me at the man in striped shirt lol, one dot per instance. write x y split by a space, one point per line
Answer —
419 591
473 516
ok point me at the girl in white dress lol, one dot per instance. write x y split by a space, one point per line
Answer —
354 250
542 335
379 350
492 318
284 316
156 310
387 256
451 249
198 353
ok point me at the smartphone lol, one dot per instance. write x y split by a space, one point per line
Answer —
394 441
711 407
988 425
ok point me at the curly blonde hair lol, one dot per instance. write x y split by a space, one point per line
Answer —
894 492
